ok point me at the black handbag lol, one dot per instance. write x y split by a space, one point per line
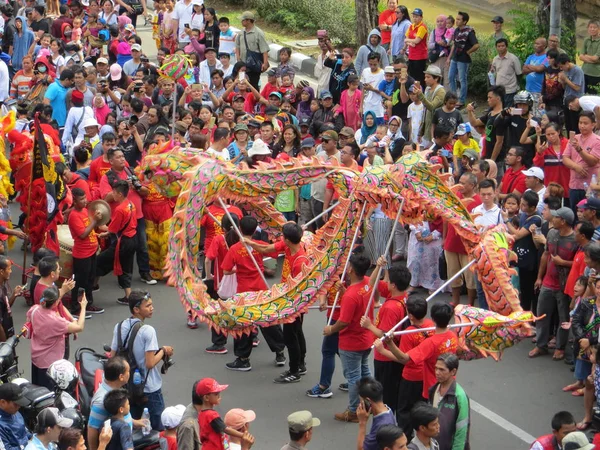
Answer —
443 266
254 60
136 6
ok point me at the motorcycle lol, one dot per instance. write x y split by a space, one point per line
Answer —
90 366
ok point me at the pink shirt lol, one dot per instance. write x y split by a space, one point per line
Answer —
590 144
48 341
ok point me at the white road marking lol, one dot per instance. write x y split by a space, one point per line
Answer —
502 422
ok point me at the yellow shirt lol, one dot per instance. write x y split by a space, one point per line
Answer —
459 147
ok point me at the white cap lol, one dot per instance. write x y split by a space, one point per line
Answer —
534 172
259 148
388 69
102 61
137 47
198 2
87 64
171 416
90 122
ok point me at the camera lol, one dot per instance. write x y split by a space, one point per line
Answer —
137 184
133 120
167 363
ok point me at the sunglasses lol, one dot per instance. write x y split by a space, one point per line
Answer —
146 295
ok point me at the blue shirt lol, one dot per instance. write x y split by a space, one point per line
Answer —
534 80
13 432
386 418
57 94
387 87
575 76
98 414
36 444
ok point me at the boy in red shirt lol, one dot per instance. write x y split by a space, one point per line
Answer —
295 258
354 341
85 247
250 279
442 341
212 427
388 371
119 256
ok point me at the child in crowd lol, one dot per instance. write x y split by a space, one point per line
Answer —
463 142
287 89
350 103
284 67
116 404
171 418
416 113
227 39
386 87
511 205
448 116
77 31
101 109
239 420
212 428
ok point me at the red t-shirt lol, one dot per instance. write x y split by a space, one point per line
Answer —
210 439
133 196
419 51
216 253
171 441
453 242
98 167
427 354
248 279
292 264
78 182
391 312
577 270
386 17
513 180
123 218
78 222
212 229
413 371
268 90
354 303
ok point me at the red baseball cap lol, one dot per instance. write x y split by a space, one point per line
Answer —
209 386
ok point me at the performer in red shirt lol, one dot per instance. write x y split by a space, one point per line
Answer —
295 257
85 247
354 341
442 341
387 371
250 279
122 228
73 180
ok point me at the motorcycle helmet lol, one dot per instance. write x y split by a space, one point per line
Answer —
523 97
63 374
75 416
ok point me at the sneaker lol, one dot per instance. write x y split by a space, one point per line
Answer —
343 387
302 369
192 324
280 359
287 377
76 316
216 349
93 309
96 288
255 342
318 392
123 301
347 416
241 365
146 278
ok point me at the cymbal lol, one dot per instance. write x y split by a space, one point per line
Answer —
103 207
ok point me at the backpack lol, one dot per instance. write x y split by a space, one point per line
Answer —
125 350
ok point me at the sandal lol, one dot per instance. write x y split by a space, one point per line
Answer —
572 387
578 392
537 352
582 426
558 355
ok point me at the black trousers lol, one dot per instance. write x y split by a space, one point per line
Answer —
293 338
106 260
389 374
254 79
416 67
409 394
242 346
571 119
528 295
84 271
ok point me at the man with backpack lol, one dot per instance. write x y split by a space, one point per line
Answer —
138 344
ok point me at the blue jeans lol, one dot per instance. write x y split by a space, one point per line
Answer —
141 251
356 366
155 405
463 73
481 300
329 349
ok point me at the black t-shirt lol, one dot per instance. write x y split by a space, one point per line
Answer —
131 151
6 319
449 121
515 125
494 126
398 108
41 24
527 253
464 40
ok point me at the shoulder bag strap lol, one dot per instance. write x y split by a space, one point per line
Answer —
246 42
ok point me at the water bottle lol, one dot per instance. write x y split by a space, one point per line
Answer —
586 188
593 181
147 426
137 377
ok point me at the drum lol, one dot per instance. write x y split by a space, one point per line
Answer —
65 242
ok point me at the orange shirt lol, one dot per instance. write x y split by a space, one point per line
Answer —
123 218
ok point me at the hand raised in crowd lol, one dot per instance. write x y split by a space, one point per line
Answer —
470 107
67 286
18 290
363 413
83 302
105 437
247 441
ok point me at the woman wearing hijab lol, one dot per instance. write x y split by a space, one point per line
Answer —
439 47
369 126
303 110
22 40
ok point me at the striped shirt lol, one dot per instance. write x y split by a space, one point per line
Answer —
20 85
98 415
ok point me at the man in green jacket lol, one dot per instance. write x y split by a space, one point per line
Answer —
432 98
452 403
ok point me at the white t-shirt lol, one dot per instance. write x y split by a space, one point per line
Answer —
223 154
589 102
488 217
415 115
183 13
372 101
197 21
